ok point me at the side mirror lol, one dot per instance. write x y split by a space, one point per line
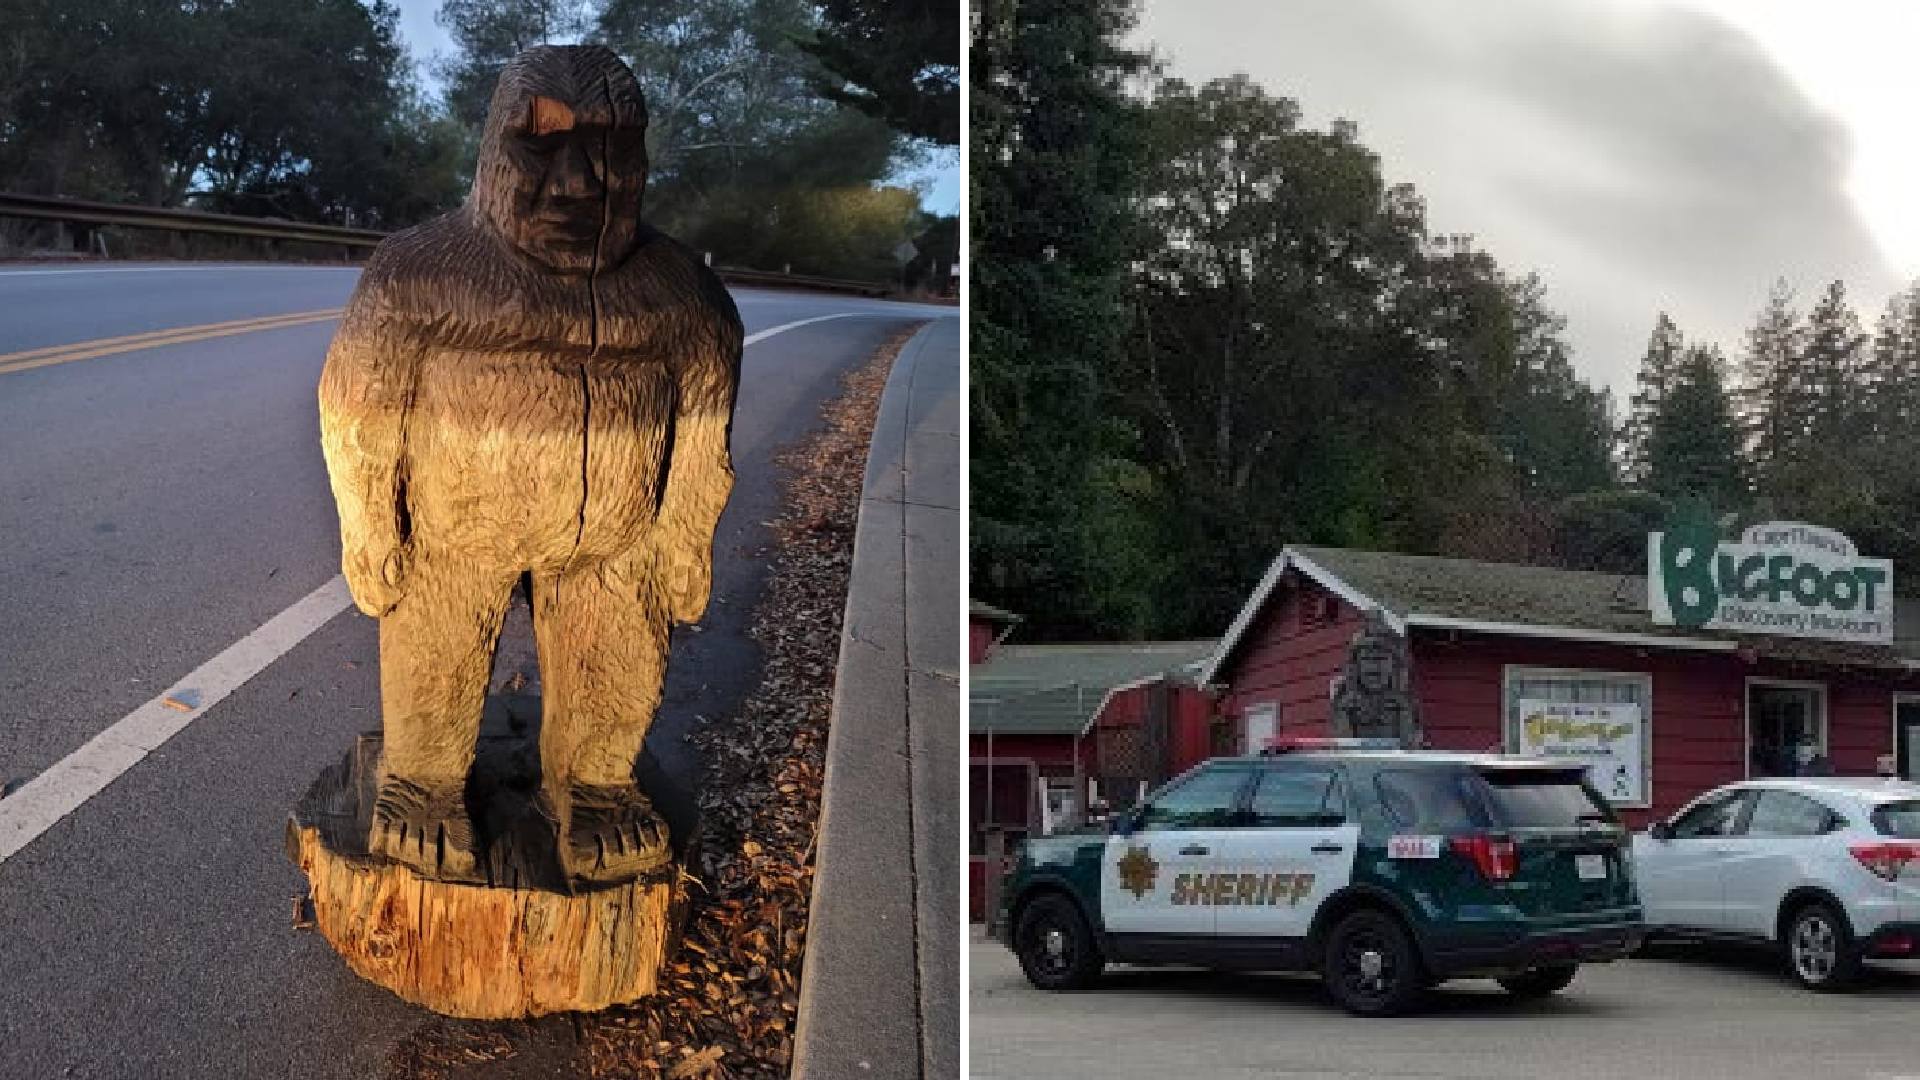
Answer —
1127 823
1661 830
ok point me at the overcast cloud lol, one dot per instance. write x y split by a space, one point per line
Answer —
1640 157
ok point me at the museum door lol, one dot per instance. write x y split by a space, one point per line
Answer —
1906 737
1786 729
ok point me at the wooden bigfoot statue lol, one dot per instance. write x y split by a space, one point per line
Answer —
1373 696
535 385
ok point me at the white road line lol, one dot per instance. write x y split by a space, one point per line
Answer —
82 774
86 772
783 327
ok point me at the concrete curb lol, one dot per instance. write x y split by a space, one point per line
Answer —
880 995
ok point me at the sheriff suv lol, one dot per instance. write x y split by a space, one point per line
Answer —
1384 871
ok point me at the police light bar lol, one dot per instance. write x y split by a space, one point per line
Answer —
1295 744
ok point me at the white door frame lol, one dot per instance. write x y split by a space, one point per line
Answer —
1746 714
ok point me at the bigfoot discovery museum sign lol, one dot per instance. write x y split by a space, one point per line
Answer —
1783 578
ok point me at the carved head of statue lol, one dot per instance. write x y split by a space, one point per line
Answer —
563 159
1374 662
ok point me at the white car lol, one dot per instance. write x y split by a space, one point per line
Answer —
1825 868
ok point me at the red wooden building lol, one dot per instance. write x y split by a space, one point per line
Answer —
1037 744
1502 654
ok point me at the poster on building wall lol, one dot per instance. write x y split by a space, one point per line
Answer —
1609 739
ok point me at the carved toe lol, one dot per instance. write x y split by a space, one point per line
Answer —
424 826
614 833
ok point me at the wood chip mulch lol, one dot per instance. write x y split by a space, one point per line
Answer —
728 1006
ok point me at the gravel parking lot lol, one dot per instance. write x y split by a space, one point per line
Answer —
1692 1012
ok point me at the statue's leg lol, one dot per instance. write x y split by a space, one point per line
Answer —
602 635
436 654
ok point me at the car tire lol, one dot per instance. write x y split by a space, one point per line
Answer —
1056 948
1820 951
1370 965
1540 982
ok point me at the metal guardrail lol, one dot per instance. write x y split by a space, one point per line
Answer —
742 276
152 217
52 208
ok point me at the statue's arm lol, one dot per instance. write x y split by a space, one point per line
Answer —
700 471
366 389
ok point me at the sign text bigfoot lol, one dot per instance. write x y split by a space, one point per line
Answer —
1783 578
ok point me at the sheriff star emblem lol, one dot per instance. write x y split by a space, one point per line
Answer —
1137 870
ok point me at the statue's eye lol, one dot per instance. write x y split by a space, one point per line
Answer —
545 116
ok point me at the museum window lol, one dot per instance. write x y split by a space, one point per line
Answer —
1605 723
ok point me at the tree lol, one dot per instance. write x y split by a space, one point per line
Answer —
1771 398
1893 379
1552 426
303 109
1658 368
1054 166
488 33
1693 444
1832 365
746 156
895 60
1607 530
1286 330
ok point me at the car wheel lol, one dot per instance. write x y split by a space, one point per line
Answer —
1370 965
1055 946
1820 949
1540 982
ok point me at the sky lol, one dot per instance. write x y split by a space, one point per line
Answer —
1639 155
939 180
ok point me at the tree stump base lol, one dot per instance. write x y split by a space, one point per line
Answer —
516 939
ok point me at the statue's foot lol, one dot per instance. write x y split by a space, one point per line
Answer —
613 833
424 826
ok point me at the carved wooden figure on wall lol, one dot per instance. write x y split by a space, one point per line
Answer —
537 386
1373 697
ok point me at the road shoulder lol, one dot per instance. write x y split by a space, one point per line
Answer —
880 992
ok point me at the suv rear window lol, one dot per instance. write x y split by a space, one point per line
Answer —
1542 800
1431 799
1898 819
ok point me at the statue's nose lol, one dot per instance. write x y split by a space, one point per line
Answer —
575 174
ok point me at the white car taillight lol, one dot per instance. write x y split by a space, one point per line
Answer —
1886 861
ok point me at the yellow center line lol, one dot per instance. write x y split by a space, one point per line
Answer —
87 350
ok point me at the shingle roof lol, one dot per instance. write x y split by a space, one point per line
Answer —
1413 586
1053 689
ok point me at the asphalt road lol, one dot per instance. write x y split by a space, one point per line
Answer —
1686 1011
155 507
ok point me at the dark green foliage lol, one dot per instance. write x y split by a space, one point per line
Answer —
1607 530
939 245
749 160
1306 366
1289 358
1658 368
895 60
488 33
1057 155
1552 426
1693 444
300 109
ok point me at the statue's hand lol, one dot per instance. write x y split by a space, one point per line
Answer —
686 579
376 573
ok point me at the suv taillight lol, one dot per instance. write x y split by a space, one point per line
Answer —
1885 860
1493 858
